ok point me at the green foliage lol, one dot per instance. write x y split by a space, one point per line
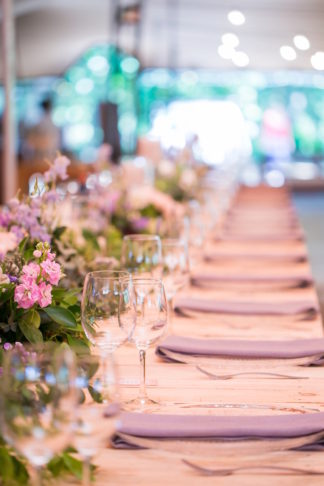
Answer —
91 238
31 333
61 316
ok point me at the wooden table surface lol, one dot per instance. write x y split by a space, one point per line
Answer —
182 389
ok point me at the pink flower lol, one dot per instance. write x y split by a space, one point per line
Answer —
50 256
31 270
51 271
26 294
45 294
57 169
37 253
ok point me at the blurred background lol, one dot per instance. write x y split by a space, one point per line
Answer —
230 78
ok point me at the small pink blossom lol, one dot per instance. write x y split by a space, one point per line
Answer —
37 253
26 294
50 256
31 270
51 271
45 294
57 169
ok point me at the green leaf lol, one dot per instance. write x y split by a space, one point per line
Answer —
61 316
28 254
6 464
79 346
70 299
22 244
73 465
68 296
32 318
6 292
58 294
57 233
96 396
31 333
91 238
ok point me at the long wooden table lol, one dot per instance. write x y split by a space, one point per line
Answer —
183 389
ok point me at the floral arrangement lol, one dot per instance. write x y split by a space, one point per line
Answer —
34 307
178 179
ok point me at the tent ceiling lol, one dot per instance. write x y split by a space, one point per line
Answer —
51 34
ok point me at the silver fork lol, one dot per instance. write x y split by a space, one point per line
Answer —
214 376
207 471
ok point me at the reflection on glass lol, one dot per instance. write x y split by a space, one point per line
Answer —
38 401
141 255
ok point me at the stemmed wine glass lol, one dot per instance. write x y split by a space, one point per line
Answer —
101 297
38 401
145 320
175 271
141 255
95 420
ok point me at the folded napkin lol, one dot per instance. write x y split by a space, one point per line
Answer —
158 426
183 304
197 278
236 348
266 255
258 237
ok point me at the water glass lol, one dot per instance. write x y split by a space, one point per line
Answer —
141 255
96 417
146 315
38 402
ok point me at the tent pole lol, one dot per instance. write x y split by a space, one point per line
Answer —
8 176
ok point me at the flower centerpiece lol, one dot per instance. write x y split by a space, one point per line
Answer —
34 307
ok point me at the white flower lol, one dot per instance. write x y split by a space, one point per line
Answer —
4 279
166 168
188 179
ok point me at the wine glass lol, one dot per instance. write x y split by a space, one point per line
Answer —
101 296
38 400
147 309
195 237
95 420
141 254
175 269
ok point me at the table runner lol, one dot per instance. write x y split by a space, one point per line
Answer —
181 389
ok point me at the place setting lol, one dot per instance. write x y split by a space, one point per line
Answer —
161 243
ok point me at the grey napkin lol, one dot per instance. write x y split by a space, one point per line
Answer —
266 255
236 348
183 304
205 277
155 426
236 236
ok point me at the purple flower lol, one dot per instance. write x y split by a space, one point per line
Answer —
140 223
38 232
18 231
12 278
4 218
7 346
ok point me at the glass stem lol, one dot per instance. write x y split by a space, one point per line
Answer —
142 391
171 315
37 476
103 366
86 472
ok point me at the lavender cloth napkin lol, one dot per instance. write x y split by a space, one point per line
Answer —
183 304
231 236
269 256
155 426
205 277
236 348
